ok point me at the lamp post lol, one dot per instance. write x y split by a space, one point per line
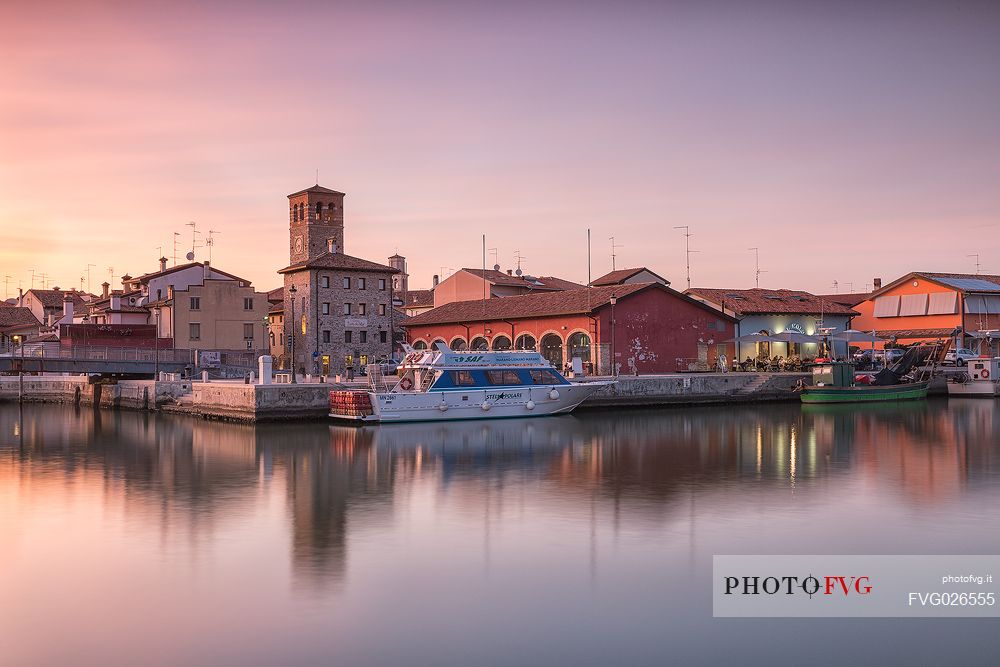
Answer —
156 344
20 371
267 333
291 292
614 366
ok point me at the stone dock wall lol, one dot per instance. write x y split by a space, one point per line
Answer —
275 402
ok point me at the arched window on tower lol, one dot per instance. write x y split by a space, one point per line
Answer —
319 209
297 214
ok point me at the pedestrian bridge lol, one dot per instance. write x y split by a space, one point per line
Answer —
44 358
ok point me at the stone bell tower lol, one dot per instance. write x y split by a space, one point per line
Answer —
316 217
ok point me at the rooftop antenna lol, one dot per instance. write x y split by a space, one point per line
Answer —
81 283
589 280
613 248
317 176
176 236
835 286
88 277
111 273
211 242
44 281
850 288
519 256
496 258
757 271
6 280
32 278
976 255
194 237
687 249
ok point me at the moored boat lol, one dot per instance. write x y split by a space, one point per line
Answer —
837 383
981 379
442 384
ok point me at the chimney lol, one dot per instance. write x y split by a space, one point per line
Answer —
125 280
170 292
510 272
20 297
106 286
434 281
877 283
208 270
331 246
163 264
116 301
68 309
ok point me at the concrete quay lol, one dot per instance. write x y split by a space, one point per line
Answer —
697 389
237 401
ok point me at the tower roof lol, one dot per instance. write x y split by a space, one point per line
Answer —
316 189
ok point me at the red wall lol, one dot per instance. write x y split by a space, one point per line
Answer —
111 335
654 329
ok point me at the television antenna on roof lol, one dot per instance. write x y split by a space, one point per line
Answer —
976 255
757 271
613 248
519 256
211 242
687 250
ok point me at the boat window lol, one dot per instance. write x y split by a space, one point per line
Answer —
544 377
500 377
462 378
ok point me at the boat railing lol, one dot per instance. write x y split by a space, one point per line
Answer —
376 379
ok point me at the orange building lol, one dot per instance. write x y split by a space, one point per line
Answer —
923 306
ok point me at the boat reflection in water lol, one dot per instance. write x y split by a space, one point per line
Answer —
604 520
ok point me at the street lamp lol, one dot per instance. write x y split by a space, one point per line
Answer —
20 371
267 332
291 329
614 366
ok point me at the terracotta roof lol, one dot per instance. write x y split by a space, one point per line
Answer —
276 309
769 301
146 277
526 281
277 295
340 261
419 298
621 275
317 189
17 318
848 300
52 298
560 283
541 304
915 333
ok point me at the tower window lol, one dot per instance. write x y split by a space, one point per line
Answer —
363 336
347 309
361 283
347 283
319 208
326 308
325 281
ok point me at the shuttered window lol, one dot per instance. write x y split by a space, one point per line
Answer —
943 303
887 306
912 304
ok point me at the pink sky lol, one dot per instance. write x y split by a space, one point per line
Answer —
846 142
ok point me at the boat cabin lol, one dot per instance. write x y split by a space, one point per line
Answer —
443 369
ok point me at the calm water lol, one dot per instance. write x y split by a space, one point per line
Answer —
129 539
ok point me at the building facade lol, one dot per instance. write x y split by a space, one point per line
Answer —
926 306
338 312
471 284
771 312
215 315
642 327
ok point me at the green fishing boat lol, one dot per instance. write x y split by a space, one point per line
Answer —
835 383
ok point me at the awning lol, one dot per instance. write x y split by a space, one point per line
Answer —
795 337
754 338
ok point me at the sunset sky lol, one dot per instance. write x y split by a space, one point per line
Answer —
846 139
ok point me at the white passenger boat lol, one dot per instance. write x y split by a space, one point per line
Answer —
980 379
442 384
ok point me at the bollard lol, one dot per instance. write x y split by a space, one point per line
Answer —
264 365
204 376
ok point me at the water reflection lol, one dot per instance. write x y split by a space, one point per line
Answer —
342 505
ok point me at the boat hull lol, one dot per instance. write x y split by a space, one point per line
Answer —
973 389
865 394
502 403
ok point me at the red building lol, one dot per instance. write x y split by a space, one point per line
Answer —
646 327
